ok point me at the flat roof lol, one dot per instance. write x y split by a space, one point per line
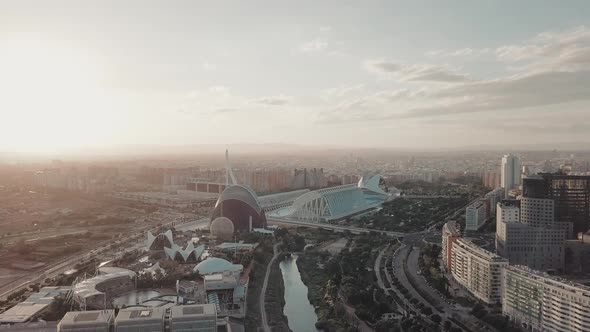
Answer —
194 310
214 277
34 304
234 245
482 253
88 317
135 314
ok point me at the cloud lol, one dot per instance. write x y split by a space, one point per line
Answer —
325 28
426 73
207 66
272 101
376 106
525 91
463 52
315 45
226 110
341 91
566 50
219 89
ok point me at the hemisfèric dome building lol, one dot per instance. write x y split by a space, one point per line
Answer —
239 204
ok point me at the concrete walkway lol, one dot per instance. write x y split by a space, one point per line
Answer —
263 291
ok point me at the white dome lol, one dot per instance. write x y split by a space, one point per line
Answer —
222 227
213 265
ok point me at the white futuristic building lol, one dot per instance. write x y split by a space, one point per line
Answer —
165 241
159 241
190 253
98 291
330 204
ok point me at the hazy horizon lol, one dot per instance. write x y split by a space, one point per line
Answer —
427 75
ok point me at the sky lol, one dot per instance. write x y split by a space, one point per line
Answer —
380 74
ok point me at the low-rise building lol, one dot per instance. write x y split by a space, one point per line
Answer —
225 285
176 318
86 321
98 292
478 270
33 306
189 318
142 319
540 302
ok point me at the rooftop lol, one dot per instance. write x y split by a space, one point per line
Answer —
34 304
88 317
482 253
87 287
547 277
214 265
476 204
238 246
135 314
193 310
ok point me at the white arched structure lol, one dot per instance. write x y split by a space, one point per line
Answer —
328 204
184 254
151 238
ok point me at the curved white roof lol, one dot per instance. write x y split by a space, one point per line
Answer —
87 288
185 253
371 183
338 202
151 238
213 265
241 193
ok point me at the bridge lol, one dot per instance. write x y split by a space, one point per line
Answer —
331 227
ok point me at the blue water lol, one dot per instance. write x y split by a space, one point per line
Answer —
299 311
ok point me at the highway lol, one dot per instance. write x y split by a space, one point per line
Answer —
337 228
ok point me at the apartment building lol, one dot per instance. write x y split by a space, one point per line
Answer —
450 233
478 270
475 215
534 243
539 302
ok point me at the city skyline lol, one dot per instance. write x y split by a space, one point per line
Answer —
424 75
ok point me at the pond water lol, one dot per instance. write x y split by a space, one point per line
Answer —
299 311
134 297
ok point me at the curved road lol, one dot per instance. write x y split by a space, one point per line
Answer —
263 291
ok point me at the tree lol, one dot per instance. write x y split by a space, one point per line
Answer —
436 319
427 311
447 325
281 232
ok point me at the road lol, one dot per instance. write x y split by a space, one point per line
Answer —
55 268
338 228
377 269
264 286
409 269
